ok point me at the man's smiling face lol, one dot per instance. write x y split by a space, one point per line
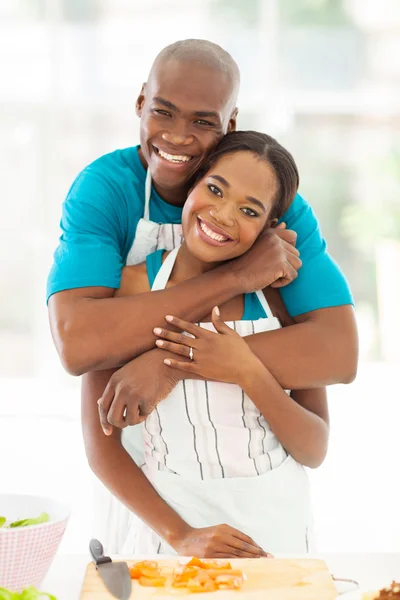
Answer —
185 109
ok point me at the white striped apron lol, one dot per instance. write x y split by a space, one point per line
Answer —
211 455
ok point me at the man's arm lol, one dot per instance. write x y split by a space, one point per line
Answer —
320 349
94 331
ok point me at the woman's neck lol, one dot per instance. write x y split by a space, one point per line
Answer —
187 266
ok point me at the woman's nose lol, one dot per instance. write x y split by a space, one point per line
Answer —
223 215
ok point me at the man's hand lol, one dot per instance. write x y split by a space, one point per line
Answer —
135 390
272 260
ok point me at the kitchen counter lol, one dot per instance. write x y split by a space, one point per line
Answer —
372 571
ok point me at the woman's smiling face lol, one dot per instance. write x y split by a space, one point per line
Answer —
228 208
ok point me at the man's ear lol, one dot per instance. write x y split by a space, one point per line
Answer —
232 120
140 101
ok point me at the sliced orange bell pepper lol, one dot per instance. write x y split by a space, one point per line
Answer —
152 581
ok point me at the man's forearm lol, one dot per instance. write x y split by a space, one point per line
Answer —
99 333
321 349
317 352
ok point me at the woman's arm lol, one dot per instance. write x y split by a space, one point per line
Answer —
300 421
116 469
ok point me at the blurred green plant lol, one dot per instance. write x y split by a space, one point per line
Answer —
328 185
32 9
329 13
244 12
369 223
72 10
81 10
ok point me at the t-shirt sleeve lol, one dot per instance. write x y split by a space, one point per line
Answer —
320 283
90 245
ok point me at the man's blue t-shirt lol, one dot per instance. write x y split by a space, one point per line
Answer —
99 219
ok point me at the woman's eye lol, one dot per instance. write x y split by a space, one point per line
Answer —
249 212
214 190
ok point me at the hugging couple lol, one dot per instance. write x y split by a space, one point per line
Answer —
193 292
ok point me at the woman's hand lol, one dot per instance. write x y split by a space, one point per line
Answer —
219 541
222 356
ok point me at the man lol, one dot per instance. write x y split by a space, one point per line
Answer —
186 106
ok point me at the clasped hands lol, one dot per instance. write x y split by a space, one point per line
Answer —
134 390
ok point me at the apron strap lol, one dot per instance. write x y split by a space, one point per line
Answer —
147 194
264 304
163 275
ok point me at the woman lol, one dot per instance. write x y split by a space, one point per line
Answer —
223 470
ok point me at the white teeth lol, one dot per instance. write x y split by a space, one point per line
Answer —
212 234
175 158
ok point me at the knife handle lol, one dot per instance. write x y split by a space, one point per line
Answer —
97 551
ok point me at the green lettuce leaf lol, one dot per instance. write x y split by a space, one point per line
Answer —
29 593
6 595
43 518
2 521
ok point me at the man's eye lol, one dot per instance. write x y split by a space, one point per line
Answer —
249 212
162 112
202 122
214 190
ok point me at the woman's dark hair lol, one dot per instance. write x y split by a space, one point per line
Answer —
268 149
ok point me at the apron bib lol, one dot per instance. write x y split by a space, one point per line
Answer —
151 236
112 518
273 508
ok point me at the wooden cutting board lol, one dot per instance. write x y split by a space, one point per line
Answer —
267 579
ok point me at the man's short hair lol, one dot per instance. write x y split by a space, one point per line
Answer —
205 53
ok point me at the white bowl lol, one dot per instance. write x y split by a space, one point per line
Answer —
26 553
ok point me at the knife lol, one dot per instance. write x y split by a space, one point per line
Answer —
115 575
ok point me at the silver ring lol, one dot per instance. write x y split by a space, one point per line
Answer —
191 353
